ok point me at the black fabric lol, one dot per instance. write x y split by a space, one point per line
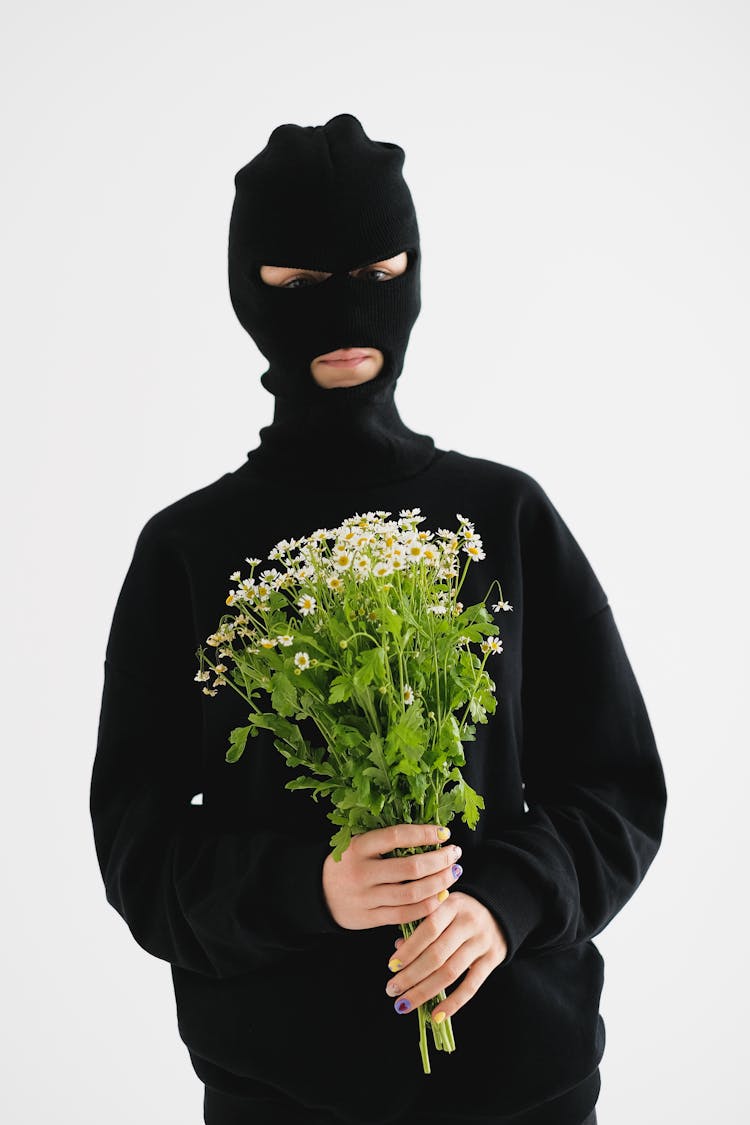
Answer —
270 990
326 197
224 1109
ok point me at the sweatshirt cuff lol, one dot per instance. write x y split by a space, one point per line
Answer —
492 877
297 888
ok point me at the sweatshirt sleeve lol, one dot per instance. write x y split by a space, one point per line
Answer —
216 902
594 785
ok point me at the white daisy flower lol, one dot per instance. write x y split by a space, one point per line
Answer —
492 644
306 604
302 660
285 639
408 694
502 605
474 551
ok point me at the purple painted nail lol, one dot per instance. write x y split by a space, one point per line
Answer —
402 1005
457 870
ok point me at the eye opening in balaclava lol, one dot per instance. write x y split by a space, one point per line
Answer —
253 272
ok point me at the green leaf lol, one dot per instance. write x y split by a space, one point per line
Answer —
409 733
237 742
377 774
283 694
340 689
391 622
304 783
289 732
307 640
349 799
371 667
340 841
473 802
407 766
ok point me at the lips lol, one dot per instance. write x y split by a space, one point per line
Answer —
345 356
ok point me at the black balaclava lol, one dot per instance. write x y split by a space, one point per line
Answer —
326 197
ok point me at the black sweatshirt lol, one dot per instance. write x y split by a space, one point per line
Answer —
274 999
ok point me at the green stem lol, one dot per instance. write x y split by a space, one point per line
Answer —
442 1033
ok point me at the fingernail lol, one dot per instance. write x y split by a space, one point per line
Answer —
443 834
442 895
438 1017
394 964
457 870
402 1005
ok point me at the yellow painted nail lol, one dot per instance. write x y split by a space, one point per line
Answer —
438 1017
442 895
394 964
443 834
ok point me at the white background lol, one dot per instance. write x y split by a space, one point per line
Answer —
580 173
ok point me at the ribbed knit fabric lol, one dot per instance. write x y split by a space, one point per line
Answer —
326 198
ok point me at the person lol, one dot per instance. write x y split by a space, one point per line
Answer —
280 957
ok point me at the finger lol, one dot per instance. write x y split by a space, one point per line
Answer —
427 932
400 869
416 912
469 986
433 942
420 890
380 841
463 958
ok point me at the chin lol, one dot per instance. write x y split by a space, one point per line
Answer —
350 378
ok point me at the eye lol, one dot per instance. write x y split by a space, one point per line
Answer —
369 275
303 282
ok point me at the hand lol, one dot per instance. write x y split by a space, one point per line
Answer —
363 889
461 934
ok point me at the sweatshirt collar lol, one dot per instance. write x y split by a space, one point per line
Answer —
350 435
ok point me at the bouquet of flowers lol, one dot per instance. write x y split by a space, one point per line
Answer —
363 632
